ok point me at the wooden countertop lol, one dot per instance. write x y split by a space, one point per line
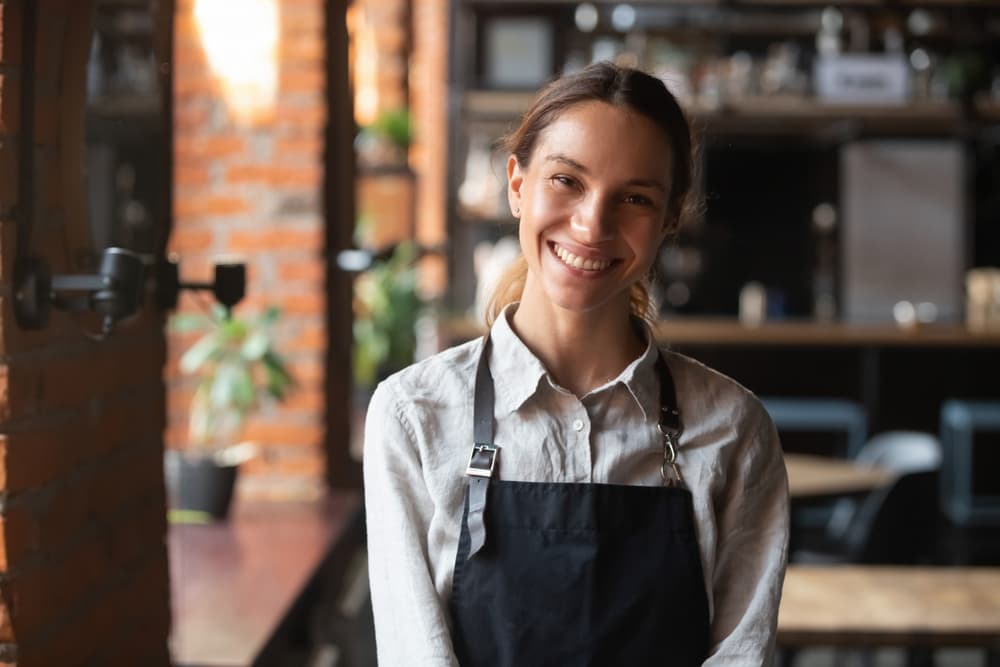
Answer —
723 331
880 606
823 476
233 583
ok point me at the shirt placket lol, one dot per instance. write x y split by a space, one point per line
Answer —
579 439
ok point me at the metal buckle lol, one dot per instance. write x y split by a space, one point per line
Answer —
483 460
669 472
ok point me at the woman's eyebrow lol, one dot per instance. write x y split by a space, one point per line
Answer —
568 161
635 182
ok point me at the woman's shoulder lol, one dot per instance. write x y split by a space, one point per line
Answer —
445 377
712 389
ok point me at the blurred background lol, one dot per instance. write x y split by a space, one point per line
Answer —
314 193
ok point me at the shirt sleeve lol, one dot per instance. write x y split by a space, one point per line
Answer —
752 552
411 625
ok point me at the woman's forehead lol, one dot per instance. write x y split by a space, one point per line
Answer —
597 134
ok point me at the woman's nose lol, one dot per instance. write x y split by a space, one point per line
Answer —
592 222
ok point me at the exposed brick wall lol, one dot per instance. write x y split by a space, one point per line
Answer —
429 96
82 552
256 191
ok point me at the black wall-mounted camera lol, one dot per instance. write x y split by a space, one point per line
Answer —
115 292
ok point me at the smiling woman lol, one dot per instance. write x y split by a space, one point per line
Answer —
621 504
593 214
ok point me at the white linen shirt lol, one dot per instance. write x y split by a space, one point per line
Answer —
418 439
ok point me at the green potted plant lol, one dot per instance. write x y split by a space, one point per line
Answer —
238 369
385 141
386 308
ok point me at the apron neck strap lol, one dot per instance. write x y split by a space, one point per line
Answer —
482 416
482 411
670 416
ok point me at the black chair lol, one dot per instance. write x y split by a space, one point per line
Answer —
895 525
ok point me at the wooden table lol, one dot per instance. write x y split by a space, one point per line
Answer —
813 477
234 584
849 605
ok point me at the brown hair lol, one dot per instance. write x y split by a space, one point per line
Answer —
618 86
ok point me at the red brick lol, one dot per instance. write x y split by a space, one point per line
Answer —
144 593
299 146
3 461
202 149
308 271
202 84
308 176
18 536
310 80
306 373
11 17
303 399
4 394
290 463
6 614
209 206
290 435
302 49
313 303
9 173
310 339
192 175
275 238
303 19
304 116
10 104
192 116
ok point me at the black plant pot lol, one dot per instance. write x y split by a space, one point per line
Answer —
200 484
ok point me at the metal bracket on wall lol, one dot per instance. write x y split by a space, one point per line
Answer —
114 292
228 286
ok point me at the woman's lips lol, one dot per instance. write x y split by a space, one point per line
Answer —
590 264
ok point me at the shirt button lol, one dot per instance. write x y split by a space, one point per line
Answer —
577 424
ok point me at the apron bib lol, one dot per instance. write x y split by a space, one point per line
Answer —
569 574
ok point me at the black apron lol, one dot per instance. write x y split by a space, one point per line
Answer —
568 574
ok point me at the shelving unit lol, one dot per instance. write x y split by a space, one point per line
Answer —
732 130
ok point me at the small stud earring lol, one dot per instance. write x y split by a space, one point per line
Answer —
517 211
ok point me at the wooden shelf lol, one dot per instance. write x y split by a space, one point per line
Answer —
775 114
535 4
808 333
496 103
987 109
728 332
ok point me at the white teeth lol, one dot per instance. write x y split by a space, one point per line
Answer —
578 262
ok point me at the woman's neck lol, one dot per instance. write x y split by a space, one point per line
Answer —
580 350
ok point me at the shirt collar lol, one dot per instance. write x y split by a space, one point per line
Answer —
517 372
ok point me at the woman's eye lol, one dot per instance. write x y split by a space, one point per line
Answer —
640 200
564 181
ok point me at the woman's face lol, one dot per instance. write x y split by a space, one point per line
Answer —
593 205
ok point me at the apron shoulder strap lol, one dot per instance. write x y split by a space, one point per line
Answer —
670 417
482 415
482 463
669 425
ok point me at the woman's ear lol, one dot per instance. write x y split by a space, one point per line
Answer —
514 181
